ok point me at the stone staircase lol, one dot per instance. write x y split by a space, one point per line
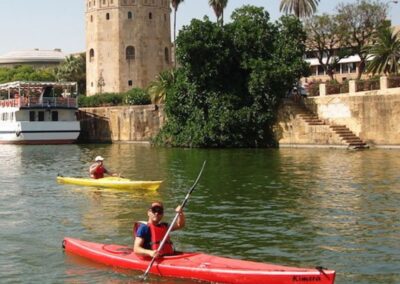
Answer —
349 137
342 131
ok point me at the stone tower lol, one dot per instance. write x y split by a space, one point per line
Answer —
128 43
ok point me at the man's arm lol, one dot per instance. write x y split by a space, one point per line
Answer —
180 222
138 248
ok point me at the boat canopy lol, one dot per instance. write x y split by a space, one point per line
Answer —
36 84
23 88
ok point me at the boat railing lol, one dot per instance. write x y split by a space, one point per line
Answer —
40 102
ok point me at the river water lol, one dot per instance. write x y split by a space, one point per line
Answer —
298 207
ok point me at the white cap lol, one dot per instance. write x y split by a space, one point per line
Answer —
99 158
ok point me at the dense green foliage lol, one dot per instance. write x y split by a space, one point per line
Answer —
135 96
26 73
231 80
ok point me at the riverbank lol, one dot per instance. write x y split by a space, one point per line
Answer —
372 116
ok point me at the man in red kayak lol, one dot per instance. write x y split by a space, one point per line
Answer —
97 170
148 236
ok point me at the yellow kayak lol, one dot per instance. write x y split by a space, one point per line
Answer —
111 182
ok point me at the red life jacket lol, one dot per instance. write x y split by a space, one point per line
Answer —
157 234
99 172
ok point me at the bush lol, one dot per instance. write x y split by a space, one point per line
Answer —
367 85
394 81
333 87
137 96
106 99
313 89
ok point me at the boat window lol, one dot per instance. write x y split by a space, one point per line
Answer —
31 116
41 116
54 116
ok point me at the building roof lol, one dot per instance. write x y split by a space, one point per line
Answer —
35 55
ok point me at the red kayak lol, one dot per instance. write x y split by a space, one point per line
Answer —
199 266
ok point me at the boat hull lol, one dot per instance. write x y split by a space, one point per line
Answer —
111 182
60 132
199 266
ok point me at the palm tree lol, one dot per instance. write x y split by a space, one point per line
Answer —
219 6
159 87
73 69
175 5
385 53
300 8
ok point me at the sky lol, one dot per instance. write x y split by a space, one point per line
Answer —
49 24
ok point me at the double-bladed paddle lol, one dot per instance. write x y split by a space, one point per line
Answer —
173 222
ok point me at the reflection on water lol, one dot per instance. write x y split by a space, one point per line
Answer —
301 207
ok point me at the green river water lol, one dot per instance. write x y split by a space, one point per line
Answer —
298 207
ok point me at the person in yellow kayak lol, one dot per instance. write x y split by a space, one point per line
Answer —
97 170
148 236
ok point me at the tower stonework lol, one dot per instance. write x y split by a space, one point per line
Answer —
128 43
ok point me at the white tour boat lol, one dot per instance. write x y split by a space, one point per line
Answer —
38 113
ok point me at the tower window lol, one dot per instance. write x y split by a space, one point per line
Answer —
130 83
165 17
91 18
150 16
107 16
91 55
104 2
129 15
166 55
130 53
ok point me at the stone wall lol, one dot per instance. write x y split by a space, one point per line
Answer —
120 124
292 130
373 116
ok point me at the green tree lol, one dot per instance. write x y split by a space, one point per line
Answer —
358 23
231 80
175 4
385 52
26 73
73 69
218 7
300 8
325 39
159 87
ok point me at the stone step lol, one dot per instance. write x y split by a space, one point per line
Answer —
316 123
355 140
348 135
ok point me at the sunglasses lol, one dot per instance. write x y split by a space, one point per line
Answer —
157 209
